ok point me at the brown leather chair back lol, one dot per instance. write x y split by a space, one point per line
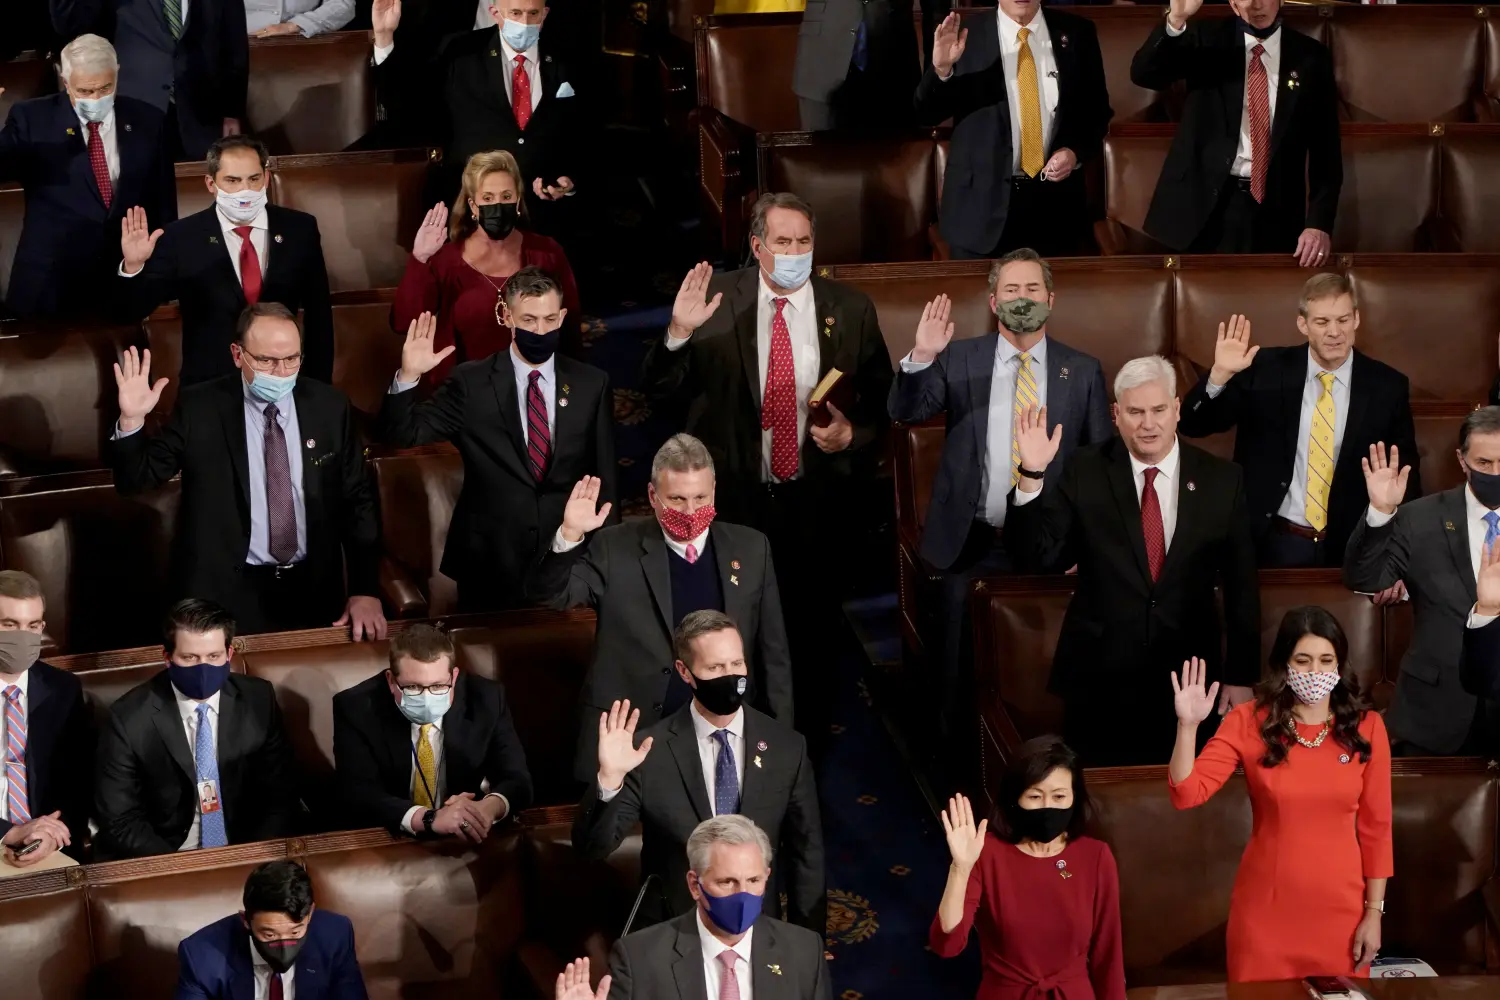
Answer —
1121 32
579 907
25 78
1264 290
12 218
1437 427
192 193
745 68
916 468
1470 164
1416 66
1113 315
1132 164
899 294
366 351
102 688
163 330
1363 623
1390 191
417 496
310 95
47 950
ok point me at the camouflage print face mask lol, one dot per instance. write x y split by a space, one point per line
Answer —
1022 315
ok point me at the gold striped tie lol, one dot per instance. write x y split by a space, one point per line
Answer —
1320 455
1032 154
1026 398
424 783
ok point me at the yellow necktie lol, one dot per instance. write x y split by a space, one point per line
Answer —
424 784
1320 455
1026 398
1032 154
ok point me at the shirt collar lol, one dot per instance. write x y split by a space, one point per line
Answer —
681 547
1271 43
704 729
187 706
1340 374
1167 466
23 682
510 53
1005 350
228 225
1476 510
1009 27
801 300
712 946
548 368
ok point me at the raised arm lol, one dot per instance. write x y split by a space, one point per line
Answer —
1193 782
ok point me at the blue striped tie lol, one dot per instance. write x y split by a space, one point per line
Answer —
726 782
212 831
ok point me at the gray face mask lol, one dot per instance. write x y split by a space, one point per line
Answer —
19 649
1023 315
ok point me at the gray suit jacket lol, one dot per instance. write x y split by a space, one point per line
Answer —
958 385
825 43
665 961
1427 545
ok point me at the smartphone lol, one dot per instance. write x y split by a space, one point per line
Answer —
1327 986
32 846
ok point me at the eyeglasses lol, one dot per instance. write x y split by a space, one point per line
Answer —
267 365
432 689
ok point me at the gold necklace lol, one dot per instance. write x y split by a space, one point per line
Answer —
1316 741
499 294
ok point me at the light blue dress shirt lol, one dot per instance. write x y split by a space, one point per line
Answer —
255 445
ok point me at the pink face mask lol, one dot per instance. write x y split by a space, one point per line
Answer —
680 526
1311 688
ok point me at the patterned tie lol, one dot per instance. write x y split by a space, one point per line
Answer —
250 277
17 799
100 165
729 983
1032 155
424 782
538 438
1151 526
1258 94
206 756
778 410
281 510
276 987
173 10
1493 520
1320 455
691 555
520 86
726 782
1026 396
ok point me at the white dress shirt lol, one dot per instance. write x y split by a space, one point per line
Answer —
548 385
24 683
258 228
188 709
533 72
1040 43
435 740
1165 486
313 17
263 978
1271 59
111 143
713 969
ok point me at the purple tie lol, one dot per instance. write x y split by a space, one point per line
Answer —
280 510
17 800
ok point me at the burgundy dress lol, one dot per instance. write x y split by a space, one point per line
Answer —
464 301
1043 936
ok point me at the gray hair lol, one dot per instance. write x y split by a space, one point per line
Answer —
1143 371
778 199
1483 420
731 829
88 54
681 453
1020 254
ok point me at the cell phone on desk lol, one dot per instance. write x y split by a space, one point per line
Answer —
28 849
1326 986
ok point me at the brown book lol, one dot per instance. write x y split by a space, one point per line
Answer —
833 388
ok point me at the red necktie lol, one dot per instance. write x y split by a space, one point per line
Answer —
276 993
520 87
538 439
1151 526
100 164
249 266
1258 95
778 411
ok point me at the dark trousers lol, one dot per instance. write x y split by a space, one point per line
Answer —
1482 740
284 598
867 99
954 713
1281 549
1239 225
1050 217
1125 721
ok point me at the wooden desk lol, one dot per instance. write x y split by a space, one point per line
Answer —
1441 988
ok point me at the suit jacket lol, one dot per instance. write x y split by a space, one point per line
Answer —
145 795
205 440
1305 172
70 241
1426 545
191 264
976 183
60 742
214 963
665 962
623 574
1480 669
958 384
504 518
373 753
1120 625
667 796
717 375
1264 405
825 44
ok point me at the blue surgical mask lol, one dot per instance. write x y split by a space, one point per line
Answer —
734 913
424 707
792 269
94 109
520 36
272 388
198 682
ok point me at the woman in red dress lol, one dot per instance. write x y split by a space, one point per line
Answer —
461 260
1046 899
1311 886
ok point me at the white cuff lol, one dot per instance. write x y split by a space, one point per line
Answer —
607 794
911 367
1174 32
1376 519
398 386
673 344
1212 391
409 821
1023 498
120 435
503 801
126 274
1477 620
561 544
382 53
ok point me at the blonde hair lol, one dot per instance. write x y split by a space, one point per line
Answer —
1328 285
480 166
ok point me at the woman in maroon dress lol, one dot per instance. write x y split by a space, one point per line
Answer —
1047 898
461 260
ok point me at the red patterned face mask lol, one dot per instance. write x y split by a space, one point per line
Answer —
680 526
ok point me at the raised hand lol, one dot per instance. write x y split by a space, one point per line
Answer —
137 395
1190 698
934 330
432 234
692 307
1232 350
618 754
417 354
1037 448
965 840
580 516
948 43
385 17
1178 11
1385 478
573 983
137 241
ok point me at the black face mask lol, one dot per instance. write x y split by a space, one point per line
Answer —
1261 33
1486 487
536 347
1040 825
499 219
279 955
722 695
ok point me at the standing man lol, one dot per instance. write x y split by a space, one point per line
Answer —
857 63
274 254
553 425
188 58
1303 419
1255 164
1029 108
1154 526
983 385
82 157
276 500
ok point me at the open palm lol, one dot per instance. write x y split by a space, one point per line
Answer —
618 754
432 234
138 396
1036 447
692 307
1385 477
965 839
583 513
1193 701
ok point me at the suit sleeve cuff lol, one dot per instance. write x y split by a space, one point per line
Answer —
120 435
398 386
126 274
1477 620
383 52
409 821
1376 519
608 794
1174 32
505 802
561 544
673 344
1212 391
1023 498
911 367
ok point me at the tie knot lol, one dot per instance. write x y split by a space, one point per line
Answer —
1492 519
1327 379
535 377
691 554
722 735
727 958
780 305
1023 34
243 232
1150 474
202 711
271 413
13 694
1025 358
1258 51
520 61
93 128
423 730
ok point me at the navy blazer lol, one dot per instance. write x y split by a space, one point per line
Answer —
59 750
1479 672
214 963
70 241
957 384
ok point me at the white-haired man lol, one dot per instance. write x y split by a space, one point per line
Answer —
1154 526
83 156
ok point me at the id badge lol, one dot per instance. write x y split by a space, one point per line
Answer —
208 796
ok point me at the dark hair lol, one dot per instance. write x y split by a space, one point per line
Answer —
1481 420
1276 697
197 616
529 283
778 199
695 624
423 643
1032 762
221 146
1021 255
278 887
263 310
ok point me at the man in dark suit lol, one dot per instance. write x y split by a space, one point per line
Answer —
1303 418
46 729
1435 545
1255 165
82 156
279 945
188 58
276 500
1029 109
218 261
857 62
700 771
196 756
1154 526
415 745
981 385
645 576
1479 670
529 424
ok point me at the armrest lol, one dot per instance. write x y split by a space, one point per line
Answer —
399 591
721 183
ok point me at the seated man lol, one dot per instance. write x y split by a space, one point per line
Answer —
425 749
47 731
278 947
196 756
700 772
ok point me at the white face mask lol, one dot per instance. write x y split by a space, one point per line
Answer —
241 206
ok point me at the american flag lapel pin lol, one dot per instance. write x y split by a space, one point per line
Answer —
277 237
127 128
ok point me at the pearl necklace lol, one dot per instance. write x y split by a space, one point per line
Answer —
1316 741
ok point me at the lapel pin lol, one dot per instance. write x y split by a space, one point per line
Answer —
1062 868
827 320
757 760
1449 526
775 969
1062 41
72 131
734 579
312 443
1291 84
1343 758
735 564
1062 373
493 52
127 128
761 746
546 58
277 237
1191 486
565 389
563 401
213 239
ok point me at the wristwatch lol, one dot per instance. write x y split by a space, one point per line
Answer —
1026 473
428 818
